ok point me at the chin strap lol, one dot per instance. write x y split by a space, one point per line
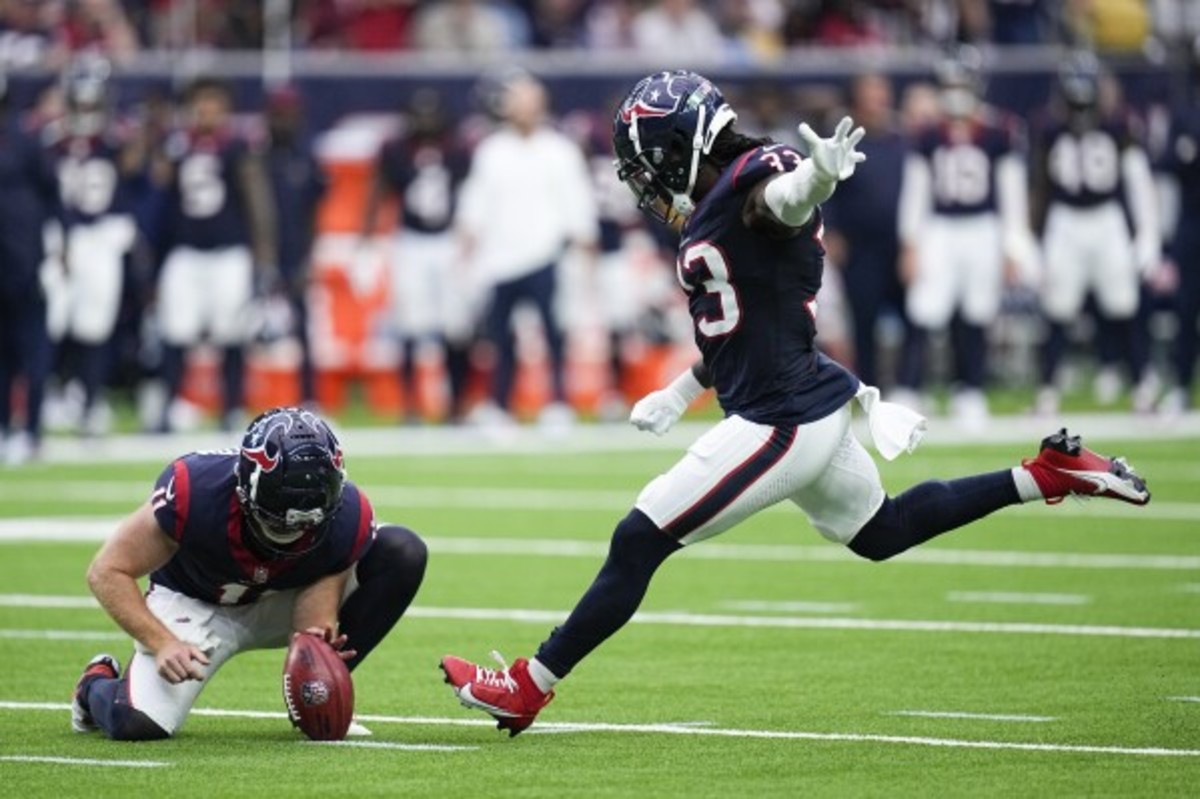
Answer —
683 204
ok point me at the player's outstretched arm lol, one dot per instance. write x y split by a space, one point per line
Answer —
792 197
659 410
138 547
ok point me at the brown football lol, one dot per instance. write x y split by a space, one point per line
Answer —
317 689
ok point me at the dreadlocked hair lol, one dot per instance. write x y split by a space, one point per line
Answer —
730 144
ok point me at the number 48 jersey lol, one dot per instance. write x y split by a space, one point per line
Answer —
753 300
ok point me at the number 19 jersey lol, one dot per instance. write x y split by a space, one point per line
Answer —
753 300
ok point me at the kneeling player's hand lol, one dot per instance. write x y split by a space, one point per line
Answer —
179 661
338 642
658 411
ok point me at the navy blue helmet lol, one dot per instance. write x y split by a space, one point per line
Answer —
660 131
960 80
290 476
1079 80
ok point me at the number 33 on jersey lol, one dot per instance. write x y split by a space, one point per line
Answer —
751 297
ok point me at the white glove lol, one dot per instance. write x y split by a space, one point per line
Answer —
659 410
834 158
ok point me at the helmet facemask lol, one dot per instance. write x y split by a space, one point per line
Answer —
663 178
290 483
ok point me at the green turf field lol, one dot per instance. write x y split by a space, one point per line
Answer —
1064 643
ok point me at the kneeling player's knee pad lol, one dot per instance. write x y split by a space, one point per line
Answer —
134 725
399 549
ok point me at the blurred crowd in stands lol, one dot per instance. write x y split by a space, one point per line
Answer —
50 31
974 248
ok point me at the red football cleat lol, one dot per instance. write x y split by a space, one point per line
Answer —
509 695
103 666
1065 467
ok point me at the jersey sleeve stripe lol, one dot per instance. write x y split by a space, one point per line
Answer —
183 498
733 484
366 527
740 165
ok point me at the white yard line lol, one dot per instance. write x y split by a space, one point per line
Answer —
954 714
1183 698
1017 598
531 500
83 761
1190 588
46 601
63 635
718 732
595 438
683 619
796 606
92 530
396 746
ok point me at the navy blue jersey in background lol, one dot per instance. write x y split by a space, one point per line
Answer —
206 210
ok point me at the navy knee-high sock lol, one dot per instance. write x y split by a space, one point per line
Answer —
1053 349
108 701
930 509
233 374
458 367
638 548
408 376
388 578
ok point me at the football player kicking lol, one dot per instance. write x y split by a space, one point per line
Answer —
243 549
750 260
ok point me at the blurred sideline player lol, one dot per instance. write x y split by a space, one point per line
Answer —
615 277
862 235
95 165
220 225
28 199
1181 163
751 262
964 230
432 300
243 548
1089 167
297 185
526 202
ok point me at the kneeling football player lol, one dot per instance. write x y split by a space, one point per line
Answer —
243 548
751 260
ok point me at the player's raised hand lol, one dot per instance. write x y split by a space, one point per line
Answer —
177 662
835 157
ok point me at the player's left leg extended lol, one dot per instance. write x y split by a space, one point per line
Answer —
847 503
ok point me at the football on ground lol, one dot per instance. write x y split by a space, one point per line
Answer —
317 689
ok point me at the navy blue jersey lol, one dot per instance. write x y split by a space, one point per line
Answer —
206 210
864 209
1083 165
28 197
753 300
297 183
1182 160
196 505
962 162
90 183
426 177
